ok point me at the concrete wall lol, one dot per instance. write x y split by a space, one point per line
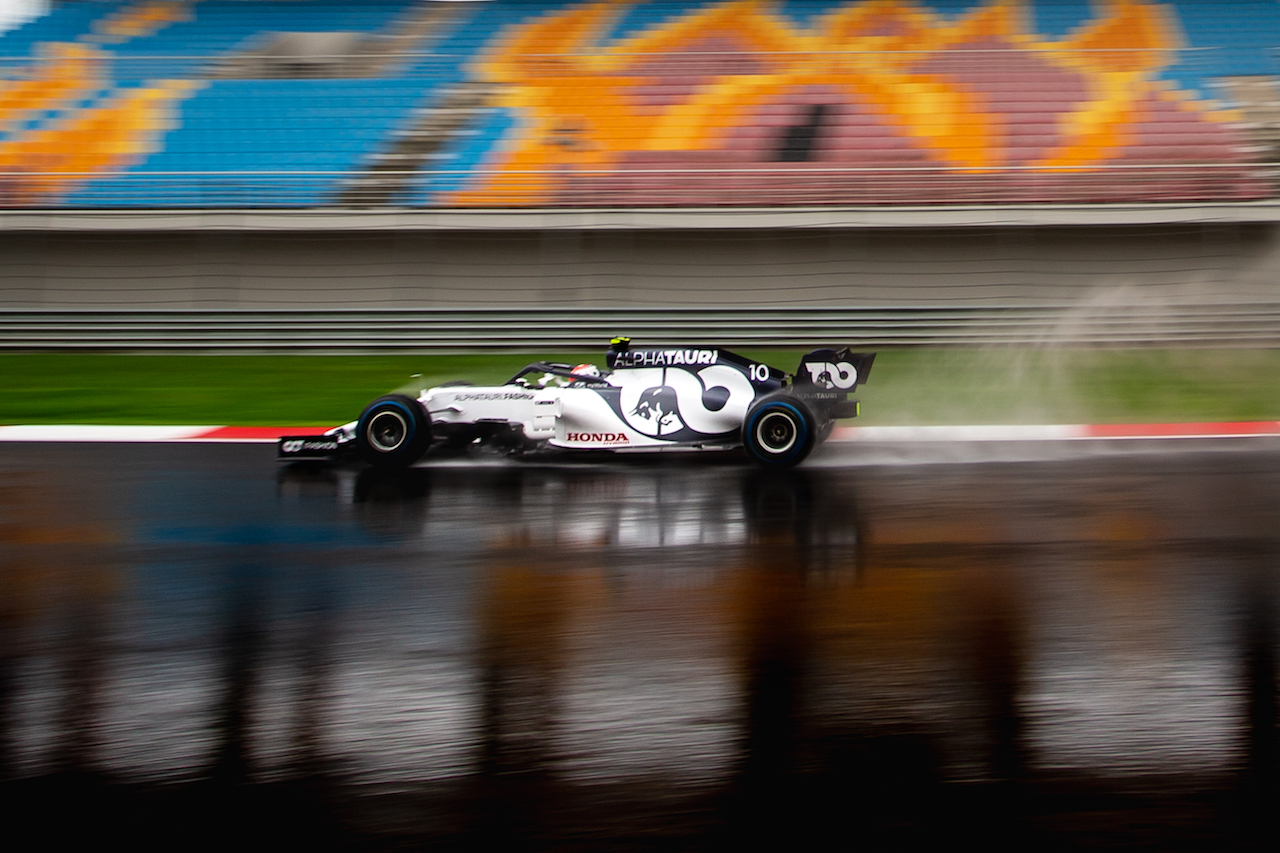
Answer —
848 267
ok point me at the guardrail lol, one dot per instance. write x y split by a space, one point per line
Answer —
642 185
548 329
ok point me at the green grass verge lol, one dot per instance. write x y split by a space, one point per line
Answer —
998 385
917 386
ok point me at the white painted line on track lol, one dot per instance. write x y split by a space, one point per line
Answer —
959 434
139 433
995 432
98 432
1057 432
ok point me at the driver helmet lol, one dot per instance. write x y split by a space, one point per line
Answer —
587 370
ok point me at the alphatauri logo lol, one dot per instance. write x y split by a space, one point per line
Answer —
842 375
666 357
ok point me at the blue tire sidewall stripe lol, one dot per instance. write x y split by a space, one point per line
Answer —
801 440
410 421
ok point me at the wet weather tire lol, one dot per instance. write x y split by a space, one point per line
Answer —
393 432
779 431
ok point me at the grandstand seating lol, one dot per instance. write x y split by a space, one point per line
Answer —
671 102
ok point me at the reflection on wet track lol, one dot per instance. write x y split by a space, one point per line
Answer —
654 654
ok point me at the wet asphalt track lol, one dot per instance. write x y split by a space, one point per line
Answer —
650 654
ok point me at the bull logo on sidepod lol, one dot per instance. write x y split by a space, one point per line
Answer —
663 401
842 375
659 407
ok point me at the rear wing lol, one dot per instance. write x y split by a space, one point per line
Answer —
833 370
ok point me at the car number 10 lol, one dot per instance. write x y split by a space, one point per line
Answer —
759 372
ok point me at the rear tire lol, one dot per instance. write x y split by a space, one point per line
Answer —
779 431
393 432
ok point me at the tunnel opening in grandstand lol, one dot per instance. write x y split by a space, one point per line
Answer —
798 140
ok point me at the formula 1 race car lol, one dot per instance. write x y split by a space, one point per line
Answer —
699 398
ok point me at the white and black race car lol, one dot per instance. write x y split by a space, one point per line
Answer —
647 399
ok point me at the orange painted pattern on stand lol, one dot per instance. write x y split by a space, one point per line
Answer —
969 96
62 73
142 19
73 140
109 136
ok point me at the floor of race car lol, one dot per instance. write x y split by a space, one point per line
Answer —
1058 643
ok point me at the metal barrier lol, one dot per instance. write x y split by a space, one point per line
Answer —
549 329
643 186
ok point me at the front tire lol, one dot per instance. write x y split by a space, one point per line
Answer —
393 432
779 431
